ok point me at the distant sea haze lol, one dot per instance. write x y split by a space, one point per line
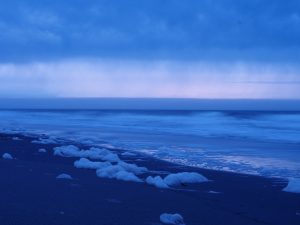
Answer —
151 104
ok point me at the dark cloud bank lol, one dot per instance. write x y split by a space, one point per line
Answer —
208 29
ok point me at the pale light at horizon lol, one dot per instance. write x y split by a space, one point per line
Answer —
132 78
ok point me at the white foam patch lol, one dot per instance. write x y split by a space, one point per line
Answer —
117 172
67 151
176 179
45 141
64 176
156 181
130 154
16 139
214 192
7 156
109 146
127 176
92 153
184 178
132 168
42 150
168 218
293 185
84 163
120 171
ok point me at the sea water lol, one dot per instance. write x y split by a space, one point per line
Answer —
261 143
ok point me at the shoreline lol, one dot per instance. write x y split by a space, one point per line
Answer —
140 156
229 198
62 141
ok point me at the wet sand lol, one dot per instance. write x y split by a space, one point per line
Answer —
31 194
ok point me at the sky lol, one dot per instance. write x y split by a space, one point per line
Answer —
213 49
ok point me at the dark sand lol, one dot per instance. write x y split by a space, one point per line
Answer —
31 194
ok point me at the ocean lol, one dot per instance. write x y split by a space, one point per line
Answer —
263 143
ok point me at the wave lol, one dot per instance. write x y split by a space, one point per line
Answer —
262 143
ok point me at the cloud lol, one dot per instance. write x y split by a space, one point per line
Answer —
42 17
144 78
155 29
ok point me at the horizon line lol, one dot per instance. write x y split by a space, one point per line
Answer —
149 104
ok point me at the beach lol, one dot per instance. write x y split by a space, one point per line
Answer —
149 112
31 193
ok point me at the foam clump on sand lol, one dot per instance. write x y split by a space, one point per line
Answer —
130 167
67 151
293 185
7 156
84 163
16 139
117 172
92 153
184 178
45 141
168 218
110 166
176 179
120 171
42 150
64 176
128 154
156 181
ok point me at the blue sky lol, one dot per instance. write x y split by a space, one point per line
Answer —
157 48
